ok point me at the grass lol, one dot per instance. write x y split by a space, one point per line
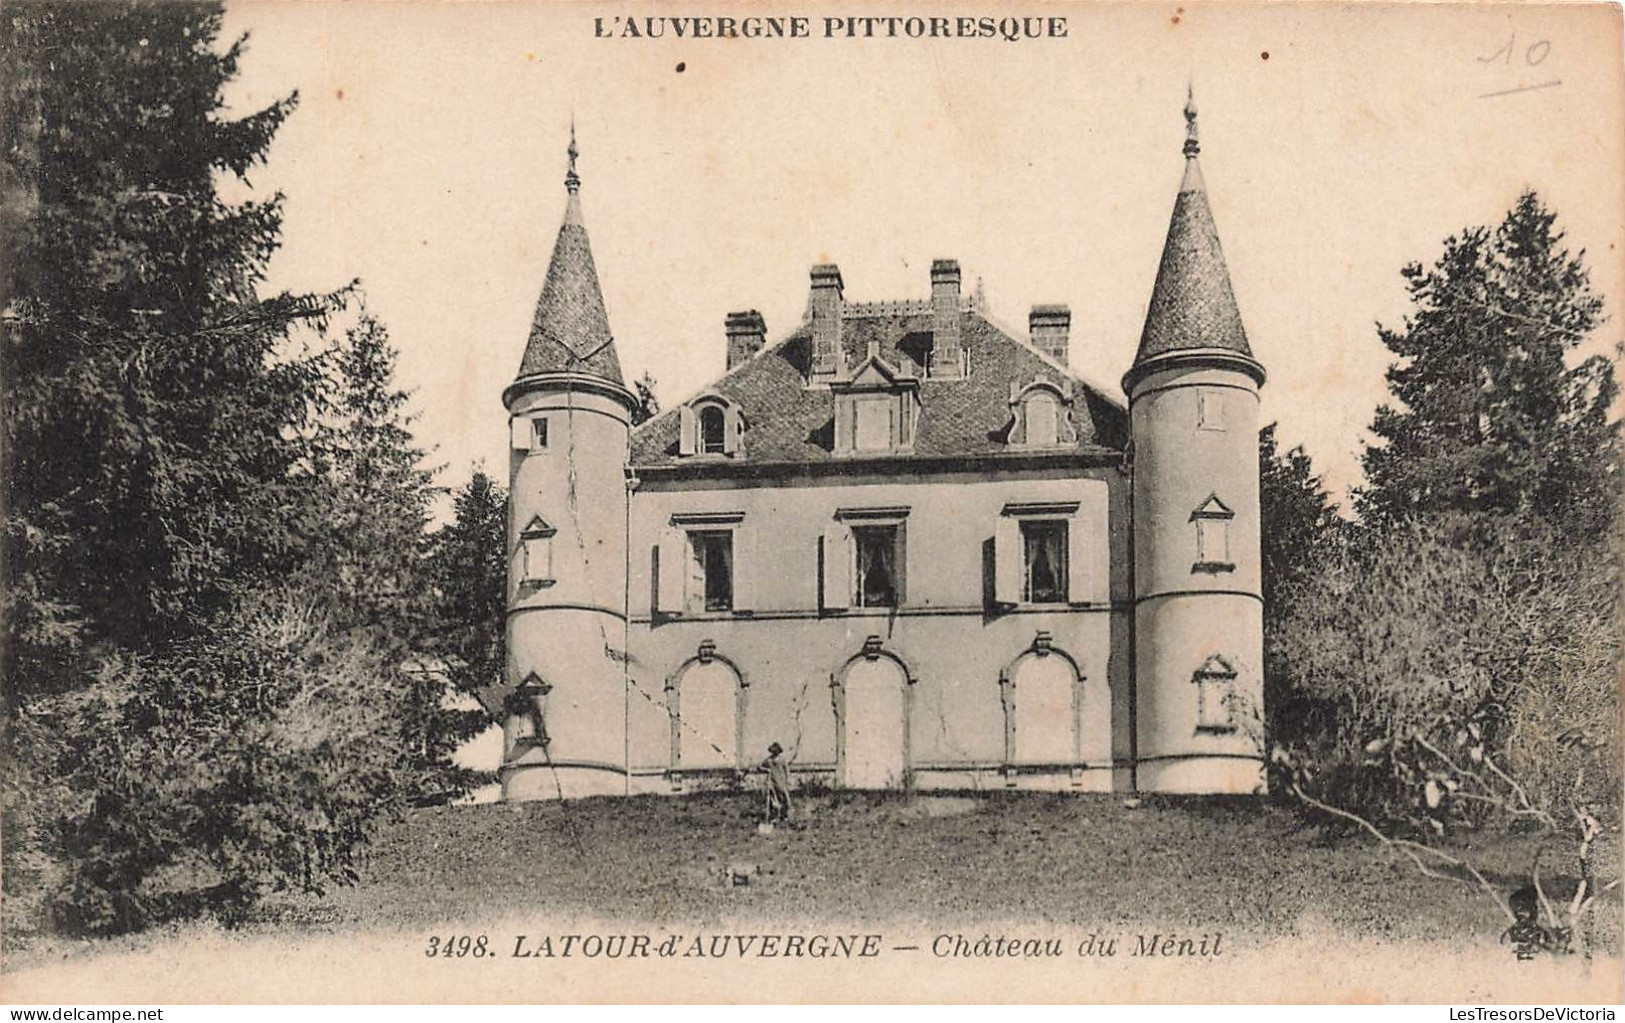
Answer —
945 861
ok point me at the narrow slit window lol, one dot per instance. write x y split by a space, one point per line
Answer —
538 433
1210 410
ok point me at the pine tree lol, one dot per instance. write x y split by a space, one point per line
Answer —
1490 419
470 573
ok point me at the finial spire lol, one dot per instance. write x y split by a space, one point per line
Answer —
572 180
1191 145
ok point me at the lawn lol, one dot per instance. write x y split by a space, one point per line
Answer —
1298 917
1078 862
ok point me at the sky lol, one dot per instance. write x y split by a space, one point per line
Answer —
1338 143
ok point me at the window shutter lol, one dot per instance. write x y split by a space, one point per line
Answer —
733 428
694 591
745 568
837 567
844 427
1089 560
671 571
686 430
1007 560
519 428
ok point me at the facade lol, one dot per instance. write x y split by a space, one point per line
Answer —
913 548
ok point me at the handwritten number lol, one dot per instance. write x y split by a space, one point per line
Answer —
1507 49
1534 55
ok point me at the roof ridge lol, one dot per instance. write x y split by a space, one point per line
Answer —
711 384
1106 391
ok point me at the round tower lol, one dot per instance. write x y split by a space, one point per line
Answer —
569 420
1198 604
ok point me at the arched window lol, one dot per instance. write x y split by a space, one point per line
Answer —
707 715
713 431
1042 689
1043 424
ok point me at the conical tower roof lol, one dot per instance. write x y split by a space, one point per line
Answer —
1193 307
570 331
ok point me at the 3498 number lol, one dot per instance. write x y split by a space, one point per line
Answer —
458 946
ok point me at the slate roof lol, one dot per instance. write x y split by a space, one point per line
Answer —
1192 304
570 331
788 422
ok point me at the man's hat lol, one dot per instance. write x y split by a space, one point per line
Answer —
775 748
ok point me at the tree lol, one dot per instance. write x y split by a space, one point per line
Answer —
153 403
192 718
1490 418
648 405
371 555
470 574
1301 533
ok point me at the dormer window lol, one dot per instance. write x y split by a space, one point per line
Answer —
713 430
1211 520
1041 416
711 425
877 409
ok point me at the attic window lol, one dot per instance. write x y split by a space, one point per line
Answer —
877 408
1040 416
711 425
713 430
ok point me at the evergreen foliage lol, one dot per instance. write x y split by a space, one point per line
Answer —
1490 418
214 547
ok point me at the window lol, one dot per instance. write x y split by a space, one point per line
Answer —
536 552
538 433
710 425
1212 521
1045 712
1215 695
873 430
1210 410
710 565
1043 424
878 552
713 431
1044 549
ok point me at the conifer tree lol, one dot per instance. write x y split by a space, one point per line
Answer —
192 721
1492 417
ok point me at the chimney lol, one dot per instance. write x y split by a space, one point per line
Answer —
1048 328
827 290
947 359
747 332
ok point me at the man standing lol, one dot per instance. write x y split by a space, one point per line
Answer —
778 784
